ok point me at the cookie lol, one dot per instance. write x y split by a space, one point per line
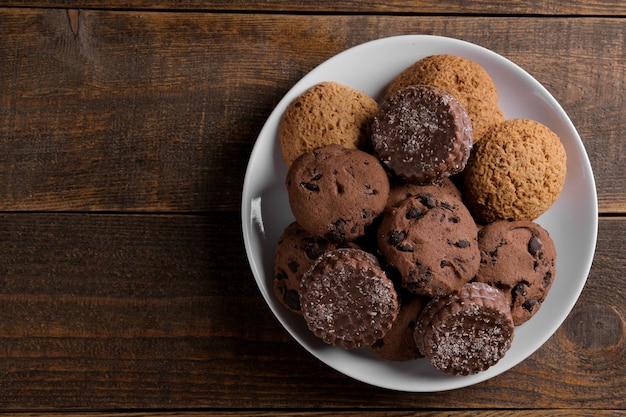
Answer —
327 113
518 258
432 241
465 79
465 332
336 192
296 251
399 342
347 299
516 172
422 134
401 190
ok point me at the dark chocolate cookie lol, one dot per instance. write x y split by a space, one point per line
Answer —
336 192
422 134
347 299
432 240
519 258
467 331
296 251
465 79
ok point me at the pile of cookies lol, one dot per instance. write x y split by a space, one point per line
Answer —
414 232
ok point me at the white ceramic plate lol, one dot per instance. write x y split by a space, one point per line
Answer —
571 221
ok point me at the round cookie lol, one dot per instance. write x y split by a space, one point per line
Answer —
401 190
336 192
422 134
296 251
399 342
327 113
516 172
432 241
347 300
465 332
464 79
518 258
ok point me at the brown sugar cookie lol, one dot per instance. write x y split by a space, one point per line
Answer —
432 241
515 173
518 258
336 192
465 79
467 331
347 299
399 342
422 134
327 113
296 251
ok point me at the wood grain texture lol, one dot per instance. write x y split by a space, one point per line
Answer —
109 111
340 413
124 138
161 311
527 7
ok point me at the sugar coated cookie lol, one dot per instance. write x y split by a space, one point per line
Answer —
422 134
465 79
466 332
347 300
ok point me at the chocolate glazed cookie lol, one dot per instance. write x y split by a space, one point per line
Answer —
336 192
467 331
296 251
422 134
347 299
433 243
519 258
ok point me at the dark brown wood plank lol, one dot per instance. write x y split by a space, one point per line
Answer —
560 7
144 111
339 413
161 311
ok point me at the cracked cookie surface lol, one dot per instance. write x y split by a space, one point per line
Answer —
327 113
516 172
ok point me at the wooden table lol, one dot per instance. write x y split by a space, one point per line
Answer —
125 130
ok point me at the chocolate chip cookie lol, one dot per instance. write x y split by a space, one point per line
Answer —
518 258
336 192
432 241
